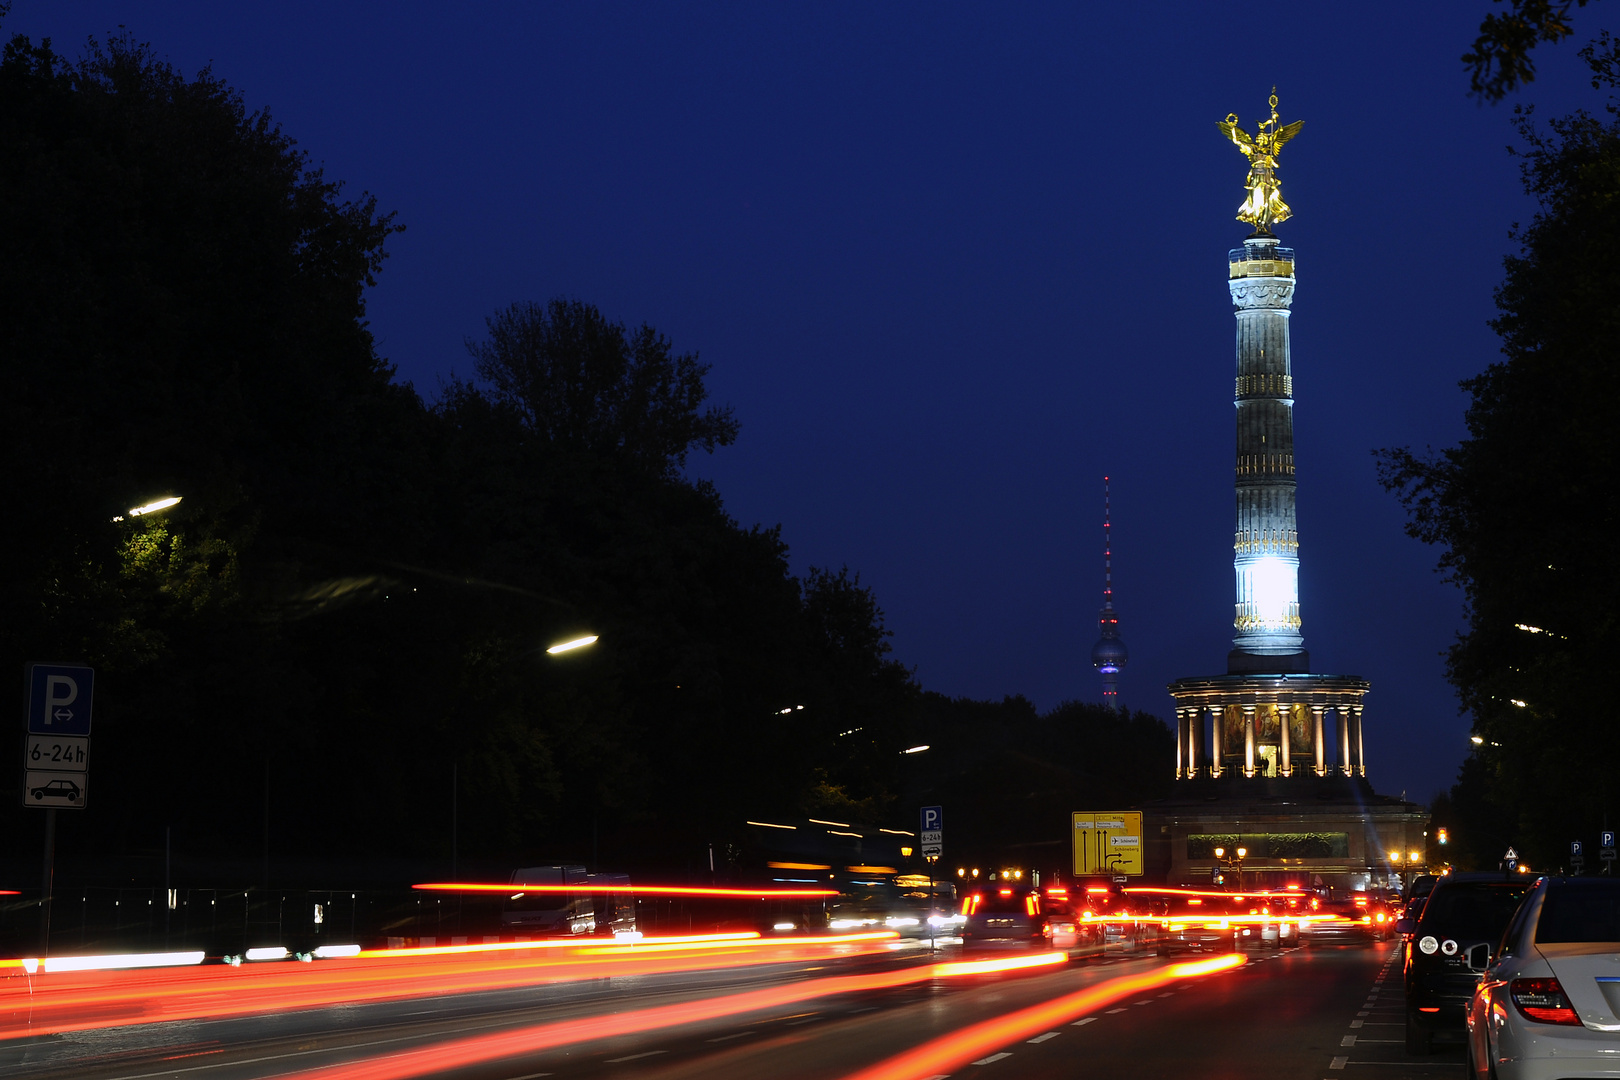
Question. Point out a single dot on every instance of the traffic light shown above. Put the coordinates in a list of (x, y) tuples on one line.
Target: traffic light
[(1442, 836)]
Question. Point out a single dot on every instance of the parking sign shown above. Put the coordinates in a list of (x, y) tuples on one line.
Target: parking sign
[(59, 697), (933, 832)]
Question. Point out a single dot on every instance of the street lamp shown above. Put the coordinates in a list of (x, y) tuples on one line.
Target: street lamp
[(149, 508), (569, 646), (1233, 862)]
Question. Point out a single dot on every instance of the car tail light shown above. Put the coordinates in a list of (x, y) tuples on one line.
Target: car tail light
[(1222, 925), (1543, 1001)]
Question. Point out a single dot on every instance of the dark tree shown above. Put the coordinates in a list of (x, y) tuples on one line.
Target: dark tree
[(584, 383), (1500, 61), (1525, 509)]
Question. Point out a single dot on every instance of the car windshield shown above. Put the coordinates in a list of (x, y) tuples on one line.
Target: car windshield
[(1580, 911), (1473, 909)]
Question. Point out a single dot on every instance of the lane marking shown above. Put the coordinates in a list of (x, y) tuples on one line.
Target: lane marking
[(1043, 1038), (1149, 1001), (1111, 1012), (992, 1058), (529, 1076), (1363, 1012), (733, 1035), (1356, 1023), (1339, 1063), (635, 1057), (1170, 993), (1348, 1040), (806, 1020), (1083, 1021)]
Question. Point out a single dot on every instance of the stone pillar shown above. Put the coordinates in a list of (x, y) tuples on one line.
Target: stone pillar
[(1344, 738), (1287, 766), (1181, 742), (1215, 748), (1248, 740), (1361, 752), (1319, 737), (1195, 740)]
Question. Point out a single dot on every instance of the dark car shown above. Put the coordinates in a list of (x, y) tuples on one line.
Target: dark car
[(1417, 892), (1003, 915), (1463, 911), (58, 789), (1198, 924)]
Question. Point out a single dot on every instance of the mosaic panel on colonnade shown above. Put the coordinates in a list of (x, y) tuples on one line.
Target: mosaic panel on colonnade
[(1268, 721)]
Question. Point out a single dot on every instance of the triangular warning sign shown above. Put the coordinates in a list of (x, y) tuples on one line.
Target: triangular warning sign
[(1511, 856)]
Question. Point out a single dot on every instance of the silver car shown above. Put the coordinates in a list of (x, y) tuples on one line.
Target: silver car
[(1548, 1005)]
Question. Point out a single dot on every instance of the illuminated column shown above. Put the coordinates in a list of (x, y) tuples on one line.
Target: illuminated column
[(1266, 541), (1287, 767), (1344, 739), (1215, 759), (1319, 738), (1248, 740), (1195, 738), (1361, 752), (1181, 742)]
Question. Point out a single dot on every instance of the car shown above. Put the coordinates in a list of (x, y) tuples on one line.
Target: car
[(1003, 915), (57, 789), (1417, 892), (1464, 913), (1280, 914), (1341, 922), (1548, 1004), (1198, 924)]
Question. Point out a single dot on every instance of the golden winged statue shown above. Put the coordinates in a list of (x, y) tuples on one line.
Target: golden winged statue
[(1264, 206)]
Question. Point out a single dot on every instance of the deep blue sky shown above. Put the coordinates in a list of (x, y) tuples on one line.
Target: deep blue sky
[(951, 264)]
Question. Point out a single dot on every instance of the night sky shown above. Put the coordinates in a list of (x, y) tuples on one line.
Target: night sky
[(952, 264)]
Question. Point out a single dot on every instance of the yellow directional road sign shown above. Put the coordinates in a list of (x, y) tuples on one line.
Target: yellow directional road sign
[(1108, 842)]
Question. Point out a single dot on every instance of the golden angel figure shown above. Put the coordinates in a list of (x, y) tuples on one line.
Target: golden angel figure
[(1264, 206)]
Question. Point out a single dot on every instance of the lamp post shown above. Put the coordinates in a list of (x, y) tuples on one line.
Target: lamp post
[(1233, 862)]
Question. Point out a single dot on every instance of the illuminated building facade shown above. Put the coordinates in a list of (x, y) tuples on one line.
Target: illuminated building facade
[(1109, 654)]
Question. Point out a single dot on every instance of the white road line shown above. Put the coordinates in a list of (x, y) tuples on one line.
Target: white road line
[(529, 1076), (1043, 1038), (1083, 1021), (635, 1057), (1355, 1023), (1338, 1063), (1111, 1012), (1168, 993), (733, 1035), (806, 1020), (992, 1057), (1348, 1040), (1149, 1001)]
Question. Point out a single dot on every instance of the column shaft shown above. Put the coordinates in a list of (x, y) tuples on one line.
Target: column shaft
[(1181, 741), (1319, 738), (1215, 748), (1344, 739), (1248, 740), (1361, 750), (1287, 768)]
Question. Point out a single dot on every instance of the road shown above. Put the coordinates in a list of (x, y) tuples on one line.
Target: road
[(1307, 1013)]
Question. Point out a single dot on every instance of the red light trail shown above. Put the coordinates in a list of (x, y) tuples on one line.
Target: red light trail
[(952, 1051), (644, 890)]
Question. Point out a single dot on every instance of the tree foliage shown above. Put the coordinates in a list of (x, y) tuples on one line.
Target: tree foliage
[(1500, 60), (1525, 509), (345, 619)]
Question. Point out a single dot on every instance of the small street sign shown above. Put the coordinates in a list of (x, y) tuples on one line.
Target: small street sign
[(1574, 849), (57, 790), (933, 832), (60, 753), (1511, 858), (1606, 842), (59, 697)]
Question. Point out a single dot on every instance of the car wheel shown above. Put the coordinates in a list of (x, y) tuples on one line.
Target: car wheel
[(1419, 1039)]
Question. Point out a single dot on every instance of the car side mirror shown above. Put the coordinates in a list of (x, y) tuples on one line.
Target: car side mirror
[(1403, 926), (1478, 956)]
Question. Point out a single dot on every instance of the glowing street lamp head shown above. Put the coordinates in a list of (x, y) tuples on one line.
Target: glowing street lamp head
[(570, 646), (149, 508)]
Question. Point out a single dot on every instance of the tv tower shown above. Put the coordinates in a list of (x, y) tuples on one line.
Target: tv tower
[(1109, 654)]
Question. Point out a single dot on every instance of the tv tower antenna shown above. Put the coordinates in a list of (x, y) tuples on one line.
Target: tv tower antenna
[(1109, 654)]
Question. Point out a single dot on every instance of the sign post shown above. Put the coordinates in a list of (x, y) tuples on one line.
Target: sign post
[(1606, 850), (931, 828), (1108, 842), (56, 758), (1576, 862)]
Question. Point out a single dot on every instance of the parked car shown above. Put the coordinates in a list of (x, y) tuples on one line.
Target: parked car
[(1548, 1004), (1464, 917), (570, 902)]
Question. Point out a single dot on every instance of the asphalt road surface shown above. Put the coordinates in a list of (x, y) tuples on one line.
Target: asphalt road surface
[(1308, 1013)]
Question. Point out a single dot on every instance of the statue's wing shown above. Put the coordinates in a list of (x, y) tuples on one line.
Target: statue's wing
[(1230, 129), (1288, 132)]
